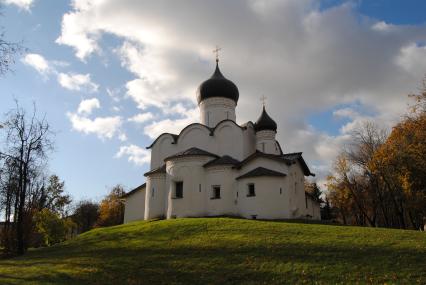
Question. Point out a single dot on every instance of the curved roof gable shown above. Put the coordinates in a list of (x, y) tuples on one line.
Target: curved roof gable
[(211, 130)]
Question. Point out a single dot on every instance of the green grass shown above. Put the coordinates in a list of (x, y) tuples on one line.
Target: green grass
[(226, 251)]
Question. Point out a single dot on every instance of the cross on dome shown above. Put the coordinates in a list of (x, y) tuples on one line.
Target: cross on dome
[(263, 99), (216, 51)]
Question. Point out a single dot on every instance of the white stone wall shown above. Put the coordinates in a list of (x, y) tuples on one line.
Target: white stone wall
[(223, 176), (296, 186), (227, 139), (216, 109), (270, 200), (134, 207), (190, 170), (313, 209), (155, 196), (265, 142)]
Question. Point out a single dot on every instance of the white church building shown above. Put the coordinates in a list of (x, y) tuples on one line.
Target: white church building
[(220, 168)]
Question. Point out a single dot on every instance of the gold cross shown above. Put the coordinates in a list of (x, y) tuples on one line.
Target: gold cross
[(216, 51), (263, 99)]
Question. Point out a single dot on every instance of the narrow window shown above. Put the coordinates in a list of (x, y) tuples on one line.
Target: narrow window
[(263, 147), (281, 191), (208, 118), (215, 192), (199, 188), (178, 189), (227, 115), (152, 192), (306, 201), (250, 190), (295, 187), (237, 194)]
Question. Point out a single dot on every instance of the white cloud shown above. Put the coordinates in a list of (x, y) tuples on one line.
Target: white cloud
[(412, 58), (22, 4), (77, 82), (88, 105), (156, 128), (103, 127), (114, 94), (345, 113), (122, 137), (135, 154), (305, 59), (141, 118), (38, 62)]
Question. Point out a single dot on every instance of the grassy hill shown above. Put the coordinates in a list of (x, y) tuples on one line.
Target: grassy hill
[(224, 250)]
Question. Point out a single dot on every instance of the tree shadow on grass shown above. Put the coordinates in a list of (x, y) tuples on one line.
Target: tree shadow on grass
[(223, 262)]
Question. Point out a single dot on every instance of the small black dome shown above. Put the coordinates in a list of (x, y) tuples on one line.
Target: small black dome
[(265, 122), (217, 86)]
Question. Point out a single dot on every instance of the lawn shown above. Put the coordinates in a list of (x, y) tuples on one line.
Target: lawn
[(226, 251)]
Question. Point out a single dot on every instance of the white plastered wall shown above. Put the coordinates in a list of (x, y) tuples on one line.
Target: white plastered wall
[(313, 210), (134, 207), (216, 109), (155, 196), (265, 142), (270, 200), (191, 172), (227, 139), (224, 176)]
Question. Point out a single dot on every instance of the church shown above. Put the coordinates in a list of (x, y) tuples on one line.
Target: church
[(220, 168)]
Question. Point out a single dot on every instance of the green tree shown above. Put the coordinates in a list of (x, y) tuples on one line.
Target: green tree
[(53, 196), (52, 227), (85, 215)]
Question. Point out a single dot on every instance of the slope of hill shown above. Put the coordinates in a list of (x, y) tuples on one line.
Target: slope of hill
[(226, 251)]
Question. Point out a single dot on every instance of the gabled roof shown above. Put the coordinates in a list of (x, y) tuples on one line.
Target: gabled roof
[(193, 151), (288, 158), (224, 160), (298, 156), (258, 153), (161, 169), (261, 171), (140, 187)]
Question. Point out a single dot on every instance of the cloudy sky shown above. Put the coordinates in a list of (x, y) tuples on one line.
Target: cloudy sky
[(112, 75)]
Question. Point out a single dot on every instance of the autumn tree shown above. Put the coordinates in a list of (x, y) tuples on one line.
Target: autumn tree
[(381, 179), (111, 208)]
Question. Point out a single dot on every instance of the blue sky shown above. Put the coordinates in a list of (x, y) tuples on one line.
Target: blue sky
[(111, 75)]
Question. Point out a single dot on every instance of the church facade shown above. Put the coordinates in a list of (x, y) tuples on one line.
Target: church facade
[(217, 167)]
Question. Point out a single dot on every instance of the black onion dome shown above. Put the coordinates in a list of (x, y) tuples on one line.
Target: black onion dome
[(217, 86), (265, 122)]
